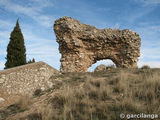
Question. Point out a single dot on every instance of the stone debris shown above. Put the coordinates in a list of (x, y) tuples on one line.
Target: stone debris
[(82, 45), (100, 68), (2, 100)]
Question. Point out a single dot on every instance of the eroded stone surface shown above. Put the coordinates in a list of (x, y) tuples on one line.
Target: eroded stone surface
[(82, 45)]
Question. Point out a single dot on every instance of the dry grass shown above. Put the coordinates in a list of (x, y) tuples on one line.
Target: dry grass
[(20, 105), (104, 98), (103, 95), (24, 101)]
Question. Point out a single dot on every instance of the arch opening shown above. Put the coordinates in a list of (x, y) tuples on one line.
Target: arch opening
[(106, 62)]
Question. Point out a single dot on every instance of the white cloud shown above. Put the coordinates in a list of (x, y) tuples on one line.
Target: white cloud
[(18, 8), (137, 14), (150, 53), (5, 24), (150, 50), (1, 65), (44, 20), (152, 64), (5, 30), (149, 28), (3, 36), (33, 10), (116, 26), (4, 39), (149, 34), (42, 49), (149, 2), (46, 50), (42, 3)]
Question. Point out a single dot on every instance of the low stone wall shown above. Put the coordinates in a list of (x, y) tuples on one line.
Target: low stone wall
[(25, 80)]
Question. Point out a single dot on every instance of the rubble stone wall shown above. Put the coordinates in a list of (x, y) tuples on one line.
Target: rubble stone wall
[(82, 45), (25, 79)]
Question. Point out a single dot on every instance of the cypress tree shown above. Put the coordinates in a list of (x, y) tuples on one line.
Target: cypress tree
[(16, 51), (33, 60)]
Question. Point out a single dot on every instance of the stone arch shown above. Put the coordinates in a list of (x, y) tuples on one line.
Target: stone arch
[(82, 45), (106, 62)]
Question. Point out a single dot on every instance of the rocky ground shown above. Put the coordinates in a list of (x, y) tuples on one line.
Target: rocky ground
[(101, 95)]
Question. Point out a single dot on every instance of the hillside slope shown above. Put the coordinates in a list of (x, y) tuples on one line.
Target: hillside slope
[(91, 96), (24, 79)]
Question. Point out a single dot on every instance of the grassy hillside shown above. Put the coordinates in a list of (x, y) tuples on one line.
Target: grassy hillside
[(91, 96)]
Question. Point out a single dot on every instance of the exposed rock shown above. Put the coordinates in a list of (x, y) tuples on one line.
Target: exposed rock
[(1, 80), (82, 45), (2, 100), (100, 68)]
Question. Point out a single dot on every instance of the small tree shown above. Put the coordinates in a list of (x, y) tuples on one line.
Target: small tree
[(31, 61), (16, 51)]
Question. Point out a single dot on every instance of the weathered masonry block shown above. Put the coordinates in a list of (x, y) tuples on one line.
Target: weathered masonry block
[(82, 45)]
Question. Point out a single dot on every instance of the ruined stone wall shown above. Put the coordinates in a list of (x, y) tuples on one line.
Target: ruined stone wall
[(82, 45), (25, 79)]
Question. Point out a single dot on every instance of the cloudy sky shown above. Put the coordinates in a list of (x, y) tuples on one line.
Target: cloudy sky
[(37, 18)]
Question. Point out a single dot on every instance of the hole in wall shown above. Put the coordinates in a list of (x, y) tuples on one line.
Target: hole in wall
[(105, 62)]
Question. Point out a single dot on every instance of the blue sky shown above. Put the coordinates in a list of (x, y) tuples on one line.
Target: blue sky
[(37, 18)]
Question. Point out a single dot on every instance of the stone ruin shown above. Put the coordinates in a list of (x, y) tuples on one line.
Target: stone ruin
[(24, 80), (82, 45)]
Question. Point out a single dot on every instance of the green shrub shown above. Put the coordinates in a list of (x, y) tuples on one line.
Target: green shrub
[(37, 92), (145, 67)]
